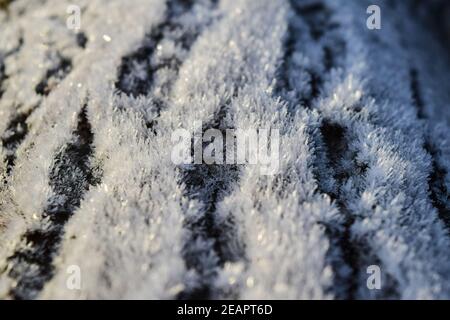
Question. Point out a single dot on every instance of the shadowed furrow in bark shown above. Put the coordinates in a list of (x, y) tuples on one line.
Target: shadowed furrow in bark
[(13, 137), (70, 177), (161, 53), (54, 75), (439, 195), (208, 184)]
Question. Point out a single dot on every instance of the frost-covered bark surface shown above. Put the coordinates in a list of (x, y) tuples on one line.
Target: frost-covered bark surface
[(85, 133)]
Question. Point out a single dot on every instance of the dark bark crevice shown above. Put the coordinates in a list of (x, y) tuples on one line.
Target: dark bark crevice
[(318, 19), (13, 136), (145, 59), (317, 15), (439, 194), (349, 255), (81, 39), (208, 184), (145, 71), (347, 270), (2, 76), (331, 144), (54, 75), (70, 177), (416, 95), (18, 126)]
